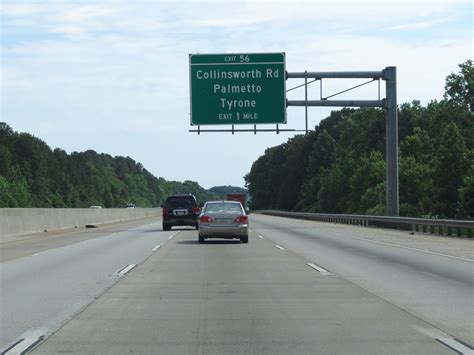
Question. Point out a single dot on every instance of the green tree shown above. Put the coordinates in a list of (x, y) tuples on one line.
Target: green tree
[(322, 154), (460, 87), (369, 172), (466, 192), (451, 167)]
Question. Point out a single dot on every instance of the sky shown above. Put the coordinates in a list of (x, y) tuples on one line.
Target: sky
[(113, 76)]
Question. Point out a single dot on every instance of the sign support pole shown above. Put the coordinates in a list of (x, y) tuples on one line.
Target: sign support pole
[(306, 100), (389, 104), (391, 143)]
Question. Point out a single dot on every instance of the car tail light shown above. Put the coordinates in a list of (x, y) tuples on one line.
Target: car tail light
[(206, 219), (196, 210), (241, 219), (165, 212)]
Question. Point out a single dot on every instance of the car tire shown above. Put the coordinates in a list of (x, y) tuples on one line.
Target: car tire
[(244, 239), (196, 226), (201, 238), (166, 227)]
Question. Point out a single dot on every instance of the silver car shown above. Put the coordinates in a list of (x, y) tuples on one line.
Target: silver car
[(223, 219)]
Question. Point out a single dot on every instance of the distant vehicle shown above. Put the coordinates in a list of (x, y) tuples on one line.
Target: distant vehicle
[(223, 219), (95, 207), (237, 197), (180, 210), (242, 198), (131, 205)]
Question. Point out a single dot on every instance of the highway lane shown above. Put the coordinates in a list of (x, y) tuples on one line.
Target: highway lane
[(15, 247), (224, 297), (431, 277), (41, 291)]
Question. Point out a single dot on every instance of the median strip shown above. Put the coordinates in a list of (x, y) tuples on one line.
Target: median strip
[(319, 268)]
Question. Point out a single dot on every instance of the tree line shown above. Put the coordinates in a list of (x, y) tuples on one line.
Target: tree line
[(33, 175), (340, 166)]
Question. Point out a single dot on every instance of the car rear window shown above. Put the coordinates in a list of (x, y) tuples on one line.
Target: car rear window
[(180, 202), (224, 208)]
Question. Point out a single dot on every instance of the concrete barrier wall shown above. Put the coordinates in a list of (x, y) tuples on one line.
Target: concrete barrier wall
[(18, 221)]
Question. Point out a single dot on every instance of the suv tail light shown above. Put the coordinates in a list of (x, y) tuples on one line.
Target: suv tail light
[(241, 219), (196, 210), (165, 212), (206, 219)]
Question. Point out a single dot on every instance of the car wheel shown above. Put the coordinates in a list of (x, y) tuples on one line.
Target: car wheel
[(201, 238), (196, 226), (166, 227), (245, 239)]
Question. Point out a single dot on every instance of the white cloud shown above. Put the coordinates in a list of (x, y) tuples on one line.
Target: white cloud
[(419, 25), (22, 10)]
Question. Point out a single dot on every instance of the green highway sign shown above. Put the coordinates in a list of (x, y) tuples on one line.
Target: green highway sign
[(237, 88)]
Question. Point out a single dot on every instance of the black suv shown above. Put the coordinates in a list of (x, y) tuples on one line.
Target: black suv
[(180, 210)]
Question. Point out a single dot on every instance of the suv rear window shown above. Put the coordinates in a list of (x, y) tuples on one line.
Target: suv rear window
[(175, 202)]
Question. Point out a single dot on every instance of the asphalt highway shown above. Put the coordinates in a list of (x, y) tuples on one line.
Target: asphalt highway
[(432, 277), (296, 288)]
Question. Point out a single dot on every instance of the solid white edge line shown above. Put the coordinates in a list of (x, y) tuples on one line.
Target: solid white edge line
[(156, 248), (43, 252), (455, 345), (125, 270), (400, 246), (396, 246), (23, 345), (279, 247), (319, 268), (260, 236)]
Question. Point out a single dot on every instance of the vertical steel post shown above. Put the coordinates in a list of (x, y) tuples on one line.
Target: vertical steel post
[(306, 100), (391, 143)]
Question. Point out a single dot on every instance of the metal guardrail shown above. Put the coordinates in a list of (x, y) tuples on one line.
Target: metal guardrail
[(424, 225)]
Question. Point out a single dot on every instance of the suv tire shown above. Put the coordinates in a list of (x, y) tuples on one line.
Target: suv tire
[(244, 239), (166, 227), (201, 238)]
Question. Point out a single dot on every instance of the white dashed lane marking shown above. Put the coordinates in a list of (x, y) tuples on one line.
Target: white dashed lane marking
[(319, 268), (125, 269), (23, 346)]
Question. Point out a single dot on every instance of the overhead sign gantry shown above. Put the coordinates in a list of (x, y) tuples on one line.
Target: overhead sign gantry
[(232, 89)]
